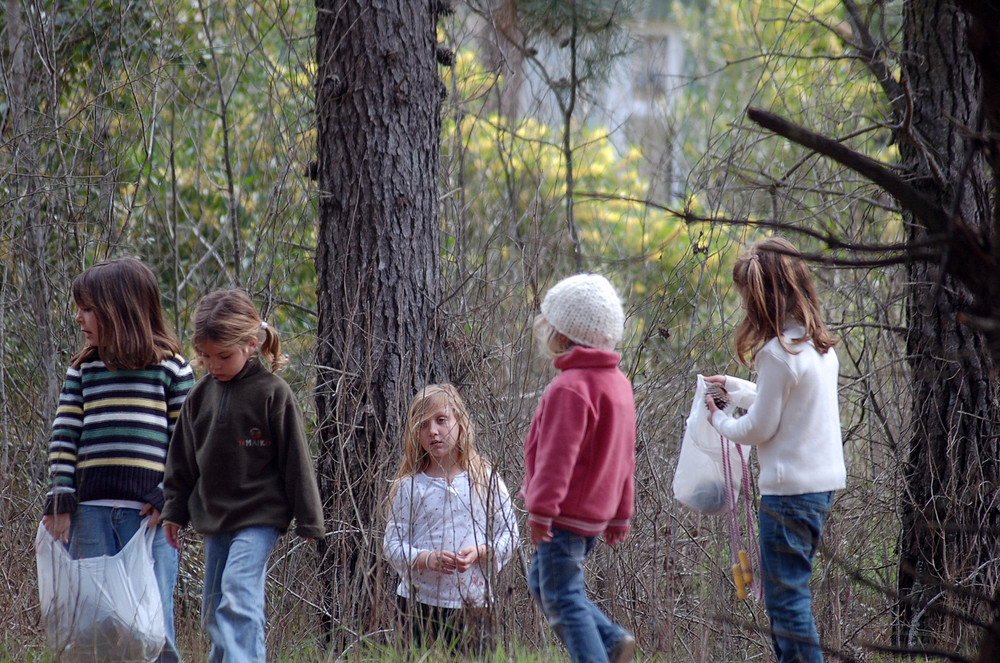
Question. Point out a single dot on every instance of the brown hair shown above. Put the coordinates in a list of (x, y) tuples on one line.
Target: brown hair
[(125, 298), (229, 318), (775, 284)]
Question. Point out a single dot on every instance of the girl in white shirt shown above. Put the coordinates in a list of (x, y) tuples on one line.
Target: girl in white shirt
[(450, 525), (794, 421)]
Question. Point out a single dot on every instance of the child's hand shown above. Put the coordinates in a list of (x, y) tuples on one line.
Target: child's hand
[(715, 394), (614, 536), (152, 512), (170, 530), (58, 526), (710, 404), (442, 561), (469, 555), (540, 534)]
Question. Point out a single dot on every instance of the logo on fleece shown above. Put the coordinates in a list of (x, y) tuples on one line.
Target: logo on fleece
[(254, 439)]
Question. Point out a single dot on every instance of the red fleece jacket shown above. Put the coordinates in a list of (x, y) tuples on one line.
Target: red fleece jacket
[(579, 456)]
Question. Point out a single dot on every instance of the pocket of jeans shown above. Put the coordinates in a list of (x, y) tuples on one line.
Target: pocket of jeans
[(798, 523)]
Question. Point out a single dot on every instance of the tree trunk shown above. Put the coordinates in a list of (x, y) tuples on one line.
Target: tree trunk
[(949, 544), (378, 97)]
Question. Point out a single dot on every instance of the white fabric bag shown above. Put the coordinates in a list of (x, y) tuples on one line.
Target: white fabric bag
[(700, 480), (101, 609)]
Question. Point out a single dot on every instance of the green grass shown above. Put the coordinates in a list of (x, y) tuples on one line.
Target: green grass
[(390, 654)]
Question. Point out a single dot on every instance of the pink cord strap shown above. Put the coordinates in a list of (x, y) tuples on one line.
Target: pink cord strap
[(753, 546)]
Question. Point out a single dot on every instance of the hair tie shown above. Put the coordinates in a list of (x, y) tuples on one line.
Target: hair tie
[(263, 324), (755, 257)]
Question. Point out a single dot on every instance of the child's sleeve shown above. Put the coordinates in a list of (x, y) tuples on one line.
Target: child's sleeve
[(181, 381), (301, 489), (180, 385), (397, 542), (626, 506), (63, 446), (505, 530), (763, 416), (557, 434), (182, 471)]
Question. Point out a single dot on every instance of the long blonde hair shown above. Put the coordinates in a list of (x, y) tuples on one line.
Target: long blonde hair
[(776, 286), (429, 400), (229, 318)]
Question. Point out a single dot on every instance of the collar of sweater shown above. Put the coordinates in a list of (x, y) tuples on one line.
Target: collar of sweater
[(253, 366), (794, 332), (583, 357)]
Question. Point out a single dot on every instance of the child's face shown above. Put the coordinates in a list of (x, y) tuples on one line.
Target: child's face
[(87, 319), (439, 435), (224, 362)]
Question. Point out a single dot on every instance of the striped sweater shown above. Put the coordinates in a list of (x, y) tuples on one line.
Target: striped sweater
[(111, 431)]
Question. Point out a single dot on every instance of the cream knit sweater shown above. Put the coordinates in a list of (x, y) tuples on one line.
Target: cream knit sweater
[(792, 417)]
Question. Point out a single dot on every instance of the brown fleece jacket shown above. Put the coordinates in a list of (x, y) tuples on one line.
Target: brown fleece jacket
[(239, 458)]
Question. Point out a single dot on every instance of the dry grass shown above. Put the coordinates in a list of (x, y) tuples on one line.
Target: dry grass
[(668, 582)]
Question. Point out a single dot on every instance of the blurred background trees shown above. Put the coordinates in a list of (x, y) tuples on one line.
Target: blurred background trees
[(294, 150)]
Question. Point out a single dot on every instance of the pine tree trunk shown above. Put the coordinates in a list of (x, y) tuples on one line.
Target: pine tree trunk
[(949, 544), (378, 97)]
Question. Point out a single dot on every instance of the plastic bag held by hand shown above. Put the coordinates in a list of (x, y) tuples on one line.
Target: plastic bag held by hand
[(102, 609), (699, 481)]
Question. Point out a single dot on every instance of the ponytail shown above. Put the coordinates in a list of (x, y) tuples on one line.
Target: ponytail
[(270, 347)]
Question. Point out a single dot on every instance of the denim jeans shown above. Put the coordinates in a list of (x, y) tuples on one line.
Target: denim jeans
[(104, 530), (233, 604), (790, 530), (556, 582)]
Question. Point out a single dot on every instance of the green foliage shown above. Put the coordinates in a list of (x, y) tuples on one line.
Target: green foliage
[(509, 175), (205, 121), (790, 58), (202, 115)]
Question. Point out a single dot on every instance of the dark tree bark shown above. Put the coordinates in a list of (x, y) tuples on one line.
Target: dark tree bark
[(950, 516), (378, 96)]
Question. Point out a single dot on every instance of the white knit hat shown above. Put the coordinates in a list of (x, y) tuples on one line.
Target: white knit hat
[(586, 308)]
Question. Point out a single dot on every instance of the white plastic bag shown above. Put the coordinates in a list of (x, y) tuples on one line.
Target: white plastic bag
[(100, 609), (700, 480)]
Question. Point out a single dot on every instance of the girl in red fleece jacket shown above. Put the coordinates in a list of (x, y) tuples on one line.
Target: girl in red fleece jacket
[(579, 462)]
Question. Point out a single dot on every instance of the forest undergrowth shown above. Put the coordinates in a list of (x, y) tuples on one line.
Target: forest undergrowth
[(669, 582)]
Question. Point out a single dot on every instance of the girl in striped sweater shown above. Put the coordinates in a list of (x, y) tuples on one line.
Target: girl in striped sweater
[(122, 394)]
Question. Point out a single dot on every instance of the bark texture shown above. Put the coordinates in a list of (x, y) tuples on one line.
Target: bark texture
[(950, 509), (378, 96)]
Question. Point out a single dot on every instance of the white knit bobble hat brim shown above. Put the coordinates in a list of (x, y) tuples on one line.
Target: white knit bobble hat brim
[(586, 309)]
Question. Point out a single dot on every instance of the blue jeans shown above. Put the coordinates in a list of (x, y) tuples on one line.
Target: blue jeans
[(233, 604), (556, 582), (104, 530), (790, 530)]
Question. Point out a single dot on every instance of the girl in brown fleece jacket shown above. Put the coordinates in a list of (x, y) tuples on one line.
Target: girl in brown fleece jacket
[(238, 469)]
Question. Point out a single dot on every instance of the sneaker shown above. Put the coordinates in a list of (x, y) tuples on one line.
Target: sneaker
[(624, 650)]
